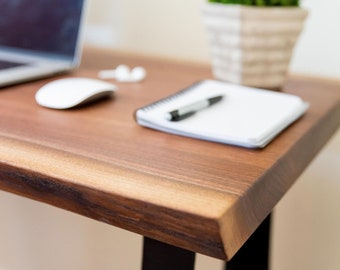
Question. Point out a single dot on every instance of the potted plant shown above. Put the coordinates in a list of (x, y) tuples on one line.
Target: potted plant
[(252, 40)]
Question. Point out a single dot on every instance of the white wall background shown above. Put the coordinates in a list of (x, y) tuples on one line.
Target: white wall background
[(306, 234)]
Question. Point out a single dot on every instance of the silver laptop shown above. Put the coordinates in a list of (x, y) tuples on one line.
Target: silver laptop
[(39, 38)]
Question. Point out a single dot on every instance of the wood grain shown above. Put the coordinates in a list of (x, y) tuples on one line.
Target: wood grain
[(97, 162)]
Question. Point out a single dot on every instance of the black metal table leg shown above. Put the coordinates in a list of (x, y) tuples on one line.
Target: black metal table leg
[(254, 254), (161, 256)]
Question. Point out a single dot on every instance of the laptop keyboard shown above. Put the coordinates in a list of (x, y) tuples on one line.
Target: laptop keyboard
[(7, 64)]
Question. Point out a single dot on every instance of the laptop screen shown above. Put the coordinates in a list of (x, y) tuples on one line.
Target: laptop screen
[(41, 26)]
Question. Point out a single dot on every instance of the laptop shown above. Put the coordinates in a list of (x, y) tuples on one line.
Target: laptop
[(39, 38)]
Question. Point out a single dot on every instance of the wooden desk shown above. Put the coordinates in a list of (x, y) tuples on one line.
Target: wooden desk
[(199, 196)]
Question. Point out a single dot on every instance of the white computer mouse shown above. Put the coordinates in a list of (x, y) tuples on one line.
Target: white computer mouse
[(71, 92)]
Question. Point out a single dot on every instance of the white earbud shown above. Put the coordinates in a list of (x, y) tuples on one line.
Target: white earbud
[(121, 70), (122, 73), (137, 74)]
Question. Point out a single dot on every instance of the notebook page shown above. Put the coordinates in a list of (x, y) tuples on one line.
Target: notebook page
[(245, 116)]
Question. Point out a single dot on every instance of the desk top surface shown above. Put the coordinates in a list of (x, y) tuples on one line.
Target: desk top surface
[(96, 161)]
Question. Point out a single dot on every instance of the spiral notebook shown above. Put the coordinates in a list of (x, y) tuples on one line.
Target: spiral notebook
[(246, 116)]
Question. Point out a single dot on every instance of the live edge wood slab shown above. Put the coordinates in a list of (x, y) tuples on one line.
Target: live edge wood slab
[(97, 162)]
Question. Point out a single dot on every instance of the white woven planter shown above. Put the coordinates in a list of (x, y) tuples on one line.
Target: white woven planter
[(252, 45)]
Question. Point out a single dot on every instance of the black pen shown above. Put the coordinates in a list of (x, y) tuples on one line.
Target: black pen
[(190, 109)]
